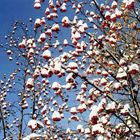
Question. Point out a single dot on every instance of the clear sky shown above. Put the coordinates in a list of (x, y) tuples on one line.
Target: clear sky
[(11, 10)]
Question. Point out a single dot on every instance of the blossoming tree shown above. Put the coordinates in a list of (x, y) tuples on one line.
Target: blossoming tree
[(79, 72)]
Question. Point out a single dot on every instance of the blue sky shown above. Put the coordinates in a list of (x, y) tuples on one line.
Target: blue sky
[(11, 10)]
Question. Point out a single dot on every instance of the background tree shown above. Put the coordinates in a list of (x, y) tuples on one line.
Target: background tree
[(78, 70)]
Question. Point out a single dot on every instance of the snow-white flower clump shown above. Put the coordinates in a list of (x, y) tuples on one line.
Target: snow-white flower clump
[(46, 54), (30, 83), (133, 69), (56, 116)]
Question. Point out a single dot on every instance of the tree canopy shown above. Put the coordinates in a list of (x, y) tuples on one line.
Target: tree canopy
[(76, 74)]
